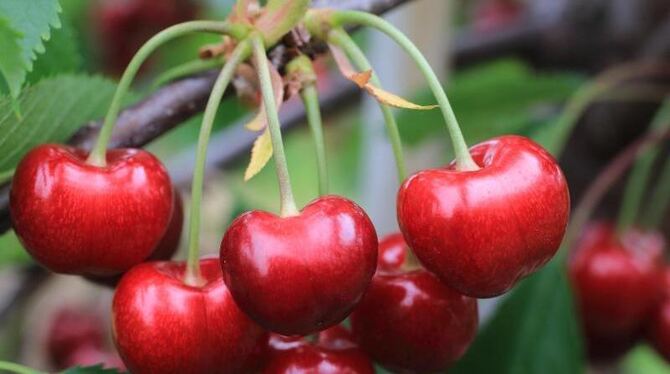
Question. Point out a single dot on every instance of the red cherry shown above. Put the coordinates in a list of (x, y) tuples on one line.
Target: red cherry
[(616, 281), (481, 231), (90, 355), (77, 218), (409, 321), (392, 252), (166, 248), (658, 329), (296, 275), (70, 330), (162, 325), (334, 353), (492, 15)]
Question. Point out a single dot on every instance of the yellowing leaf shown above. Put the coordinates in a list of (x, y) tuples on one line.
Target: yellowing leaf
[(261, 153), (260, 121), (362, 80)]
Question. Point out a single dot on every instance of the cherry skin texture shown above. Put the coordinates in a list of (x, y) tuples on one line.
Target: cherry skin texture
[(617, 280), (658, 329), (410, 322), (162, 325), (166, 248), (300, 274), (481, 231), (334, 353), (76, 218), (70, 330)]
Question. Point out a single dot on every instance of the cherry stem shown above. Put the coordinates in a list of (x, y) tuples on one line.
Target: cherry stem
[(241, 52), (464, 161), (340, 38), (98, 154), (186, 69), (6, 176), (302, 67), (16, 368), (287, 203), (659, 200), (639, 177)]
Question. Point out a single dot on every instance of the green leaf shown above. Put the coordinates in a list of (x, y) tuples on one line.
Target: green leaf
[(61, 55), (32, 20), (534, 331), (644, 359), (492, 99), (97, 369), (52, 110), (11, 251), (12, 66)]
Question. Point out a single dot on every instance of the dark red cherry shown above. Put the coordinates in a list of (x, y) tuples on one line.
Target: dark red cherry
[(481, 231), (408, 321), (77, 218), (392, 252), (617, 281), (334, 353), (300, 274), (658, 327), (70, 330), (162, 325)]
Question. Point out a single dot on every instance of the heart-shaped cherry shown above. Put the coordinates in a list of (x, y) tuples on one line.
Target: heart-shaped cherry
[(166, 248), (481, 231), (162, 325), (617, 282), (70, 330), (409, 321), (658, 328), (76, 218), (300, 274), (335, 352)]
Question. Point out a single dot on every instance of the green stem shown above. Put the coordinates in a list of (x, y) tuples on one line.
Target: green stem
[(6, 176), (640, 175), (310, 99), (98, 154), (186, 69), (287, 203), (16, 368), (340, 38), (240, 53), (659, 200), (463, 159)]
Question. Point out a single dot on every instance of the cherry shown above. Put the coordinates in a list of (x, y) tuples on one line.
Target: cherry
[(616, 280), (481, 231), (392, 252), (76, 218), (162, 325), (335, 352), (409, 321), (90, 355), (70, 330), (300, 274), (166, 248), (658, 328), (491, 15)]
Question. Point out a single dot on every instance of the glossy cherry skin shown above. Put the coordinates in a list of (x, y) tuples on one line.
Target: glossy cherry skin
[(410, 322), (70, 330), (166, 248), (162, 325), (392, 252), (76, 218), (300, 274), (334, 353), (617, 280), (481, 231), (658, 327)]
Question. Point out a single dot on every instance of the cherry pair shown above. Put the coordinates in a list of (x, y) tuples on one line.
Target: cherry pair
[(617, 280)]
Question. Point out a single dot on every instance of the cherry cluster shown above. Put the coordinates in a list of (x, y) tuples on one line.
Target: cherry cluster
[(468, 230), (622, 290)]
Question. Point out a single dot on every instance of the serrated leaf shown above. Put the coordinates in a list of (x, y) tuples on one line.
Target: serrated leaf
[(33, 21), (260, 120), (12, 66), (52, 110), (362, 80), (533, 331), (96, 369), (261, 153), (61, 55)]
